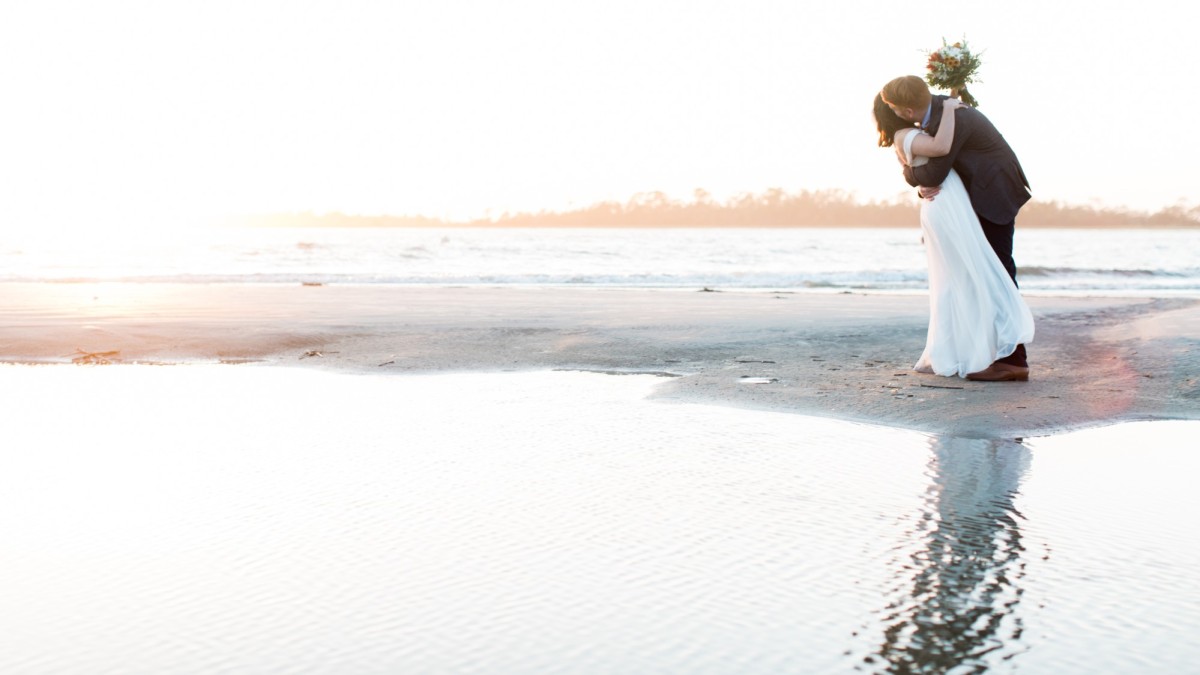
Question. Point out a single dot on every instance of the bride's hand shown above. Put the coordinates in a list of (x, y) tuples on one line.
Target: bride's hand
[(952, 103)]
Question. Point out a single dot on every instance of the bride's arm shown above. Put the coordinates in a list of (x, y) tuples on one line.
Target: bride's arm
[(939, 144)]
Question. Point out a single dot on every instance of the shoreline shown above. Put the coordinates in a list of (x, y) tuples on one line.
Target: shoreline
[(888, 225), (1095, 360)]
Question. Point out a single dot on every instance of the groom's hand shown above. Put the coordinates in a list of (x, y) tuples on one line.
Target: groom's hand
[(929, 192)]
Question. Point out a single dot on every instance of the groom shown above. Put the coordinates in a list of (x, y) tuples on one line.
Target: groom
[(991, 173)]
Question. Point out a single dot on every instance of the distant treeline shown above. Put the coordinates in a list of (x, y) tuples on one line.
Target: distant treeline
[(773, 208)]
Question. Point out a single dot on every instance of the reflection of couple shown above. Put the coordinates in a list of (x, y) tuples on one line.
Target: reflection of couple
[(957, 602), (972, 187)]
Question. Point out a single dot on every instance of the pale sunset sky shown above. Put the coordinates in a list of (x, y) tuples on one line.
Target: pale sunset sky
[(164, 113)]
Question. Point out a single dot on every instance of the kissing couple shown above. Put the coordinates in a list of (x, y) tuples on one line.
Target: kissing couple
[(971, 187)]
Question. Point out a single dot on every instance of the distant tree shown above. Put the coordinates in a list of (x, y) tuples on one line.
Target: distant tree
[(774, 207)]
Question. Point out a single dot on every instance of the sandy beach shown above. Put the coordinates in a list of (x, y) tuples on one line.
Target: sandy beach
[(848, 356), (388, 478)]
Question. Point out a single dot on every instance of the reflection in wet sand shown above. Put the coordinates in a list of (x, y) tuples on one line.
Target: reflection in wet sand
[(958, 585)]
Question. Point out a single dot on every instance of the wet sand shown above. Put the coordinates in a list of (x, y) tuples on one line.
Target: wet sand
[(848, 356)]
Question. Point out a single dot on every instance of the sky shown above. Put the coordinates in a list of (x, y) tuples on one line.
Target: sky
[(122, 114)]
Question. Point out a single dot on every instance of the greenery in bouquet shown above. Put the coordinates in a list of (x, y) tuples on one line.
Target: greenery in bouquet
[(953, 67)]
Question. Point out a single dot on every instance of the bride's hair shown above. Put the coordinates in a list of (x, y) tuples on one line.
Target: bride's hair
[(887, 122)]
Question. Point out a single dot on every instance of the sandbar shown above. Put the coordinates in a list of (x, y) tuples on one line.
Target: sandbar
[(1095, 360)]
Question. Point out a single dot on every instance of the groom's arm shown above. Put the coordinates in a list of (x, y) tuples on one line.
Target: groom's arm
[(934, 172)]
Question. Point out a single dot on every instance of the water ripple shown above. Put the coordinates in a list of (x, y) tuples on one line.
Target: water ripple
[(559, 522)]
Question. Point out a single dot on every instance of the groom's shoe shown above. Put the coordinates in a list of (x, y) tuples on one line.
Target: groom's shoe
[(1001, 372)]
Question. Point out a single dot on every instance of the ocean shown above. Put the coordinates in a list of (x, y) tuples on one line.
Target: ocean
[(1050, 261)]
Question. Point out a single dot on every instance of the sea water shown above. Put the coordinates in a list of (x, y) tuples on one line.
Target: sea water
[(1073, 262), (247, 519)]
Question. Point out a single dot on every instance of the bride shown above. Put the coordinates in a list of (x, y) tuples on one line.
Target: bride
[(976, 314)]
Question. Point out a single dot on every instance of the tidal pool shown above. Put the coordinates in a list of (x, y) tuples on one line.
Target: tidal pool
[(251, 519)]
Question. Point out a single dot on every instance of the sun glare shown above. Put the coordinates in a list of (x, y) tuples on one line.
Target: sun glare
[(138, 116)]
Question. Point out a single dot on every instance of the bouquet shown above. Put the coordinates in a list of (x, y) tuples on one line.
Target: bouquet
[(953, 67)]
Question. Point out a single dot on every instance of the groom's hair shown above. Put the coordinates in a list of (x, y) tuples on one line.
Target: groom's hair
[(909, 91)]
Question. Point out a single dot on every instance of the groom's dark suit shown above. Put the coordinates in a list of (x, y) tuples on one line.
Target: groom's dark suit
[(992, 175), (989, 169)]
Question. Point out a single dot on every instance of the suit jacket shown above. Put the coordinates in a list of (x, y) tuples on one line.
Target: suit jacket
[(988, 167)]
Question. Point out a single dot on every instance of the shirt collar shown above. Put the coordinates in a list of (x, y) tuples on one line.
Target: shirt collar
[(928, 112)]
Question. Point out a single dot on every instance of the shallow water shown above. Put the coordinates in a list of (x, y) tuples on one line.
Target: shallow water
[(1138, 262), (209, 519)]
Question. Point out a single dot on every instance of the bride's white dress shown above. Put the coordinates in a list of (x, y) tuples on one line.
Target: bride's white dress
[(976, 314)]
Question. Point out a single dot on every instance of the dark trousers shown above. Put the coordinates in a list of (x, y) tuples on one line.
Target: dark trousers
[(1000, 236)]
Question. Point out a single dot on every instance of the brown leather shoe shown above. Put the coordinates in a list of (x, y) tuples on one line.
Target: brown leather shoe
[(1001, 372)]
